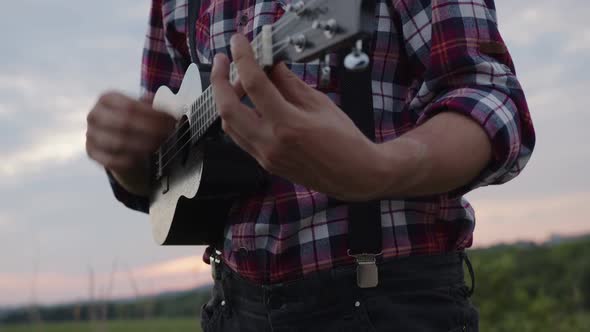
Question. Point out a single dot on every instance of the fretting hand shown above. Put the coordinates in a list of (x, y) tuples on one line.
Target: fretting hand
[(295, 131)]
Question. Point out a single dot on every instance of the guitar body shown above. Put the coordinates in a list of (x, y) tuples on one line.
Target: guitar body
[(176, 210)]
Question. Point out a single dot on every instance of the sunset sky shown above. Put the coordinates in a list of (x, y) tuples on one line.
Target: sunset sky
[(61, 231)]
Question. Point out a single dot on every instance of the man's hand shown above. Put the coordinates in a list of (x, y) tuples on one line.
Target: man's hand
[(295, 131), (121, 135)]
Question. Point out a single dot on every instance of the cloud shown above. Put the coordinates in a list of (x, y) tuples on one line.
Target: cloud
[(50, 128), (56, 148), (579, 43), (534, 219)]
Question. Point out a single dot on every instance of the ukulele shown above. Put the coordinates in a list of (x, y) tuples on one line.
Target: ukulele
[(195, 178)]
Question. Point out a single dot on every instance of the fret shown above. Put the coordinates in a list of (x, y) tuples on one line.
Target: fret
[(203, 113)]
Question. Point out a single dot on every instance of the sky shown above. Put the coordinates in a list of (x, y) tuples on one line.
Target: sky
[(63, 237)]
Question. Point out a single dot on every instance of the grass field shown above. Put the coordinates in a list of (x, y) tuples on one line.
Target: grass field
[(163, 325)]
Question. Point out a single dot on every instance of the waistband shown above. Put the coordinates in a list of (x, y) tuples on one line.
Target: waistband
[(395, 275)]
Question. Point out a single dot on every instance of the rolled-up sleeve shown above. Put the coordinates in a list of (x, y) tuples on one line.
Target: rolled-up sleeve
[(467, 69)]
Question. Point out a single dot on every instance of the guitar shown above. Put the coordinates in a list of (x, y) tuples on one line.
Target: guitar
[(193, 183)]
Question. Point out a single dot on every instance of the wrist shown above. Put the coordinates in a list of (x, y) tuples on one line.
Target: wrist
[(134, 181)]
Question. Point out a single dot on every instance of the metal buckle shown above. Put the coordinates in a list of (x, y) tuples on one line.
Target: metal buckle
[(215, 260), (367, 272)]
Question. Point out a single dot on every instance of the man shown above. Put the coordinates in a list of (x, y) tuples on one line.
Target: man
[(450, 116)]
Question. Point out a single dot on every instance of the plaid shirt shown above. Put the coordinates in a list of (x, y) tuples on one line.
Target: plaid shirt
[(429, 57)]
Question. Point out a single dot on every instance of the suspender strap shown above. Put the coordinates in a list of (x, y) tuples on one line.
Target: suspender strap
[(364, 218)]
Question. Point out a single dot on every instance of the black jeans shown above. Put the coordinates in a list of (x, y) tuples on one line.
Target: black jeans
[(425, 293)]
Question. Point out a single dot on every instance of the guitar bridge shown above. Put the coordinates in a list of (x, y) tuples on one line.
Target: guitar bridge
[(165, 184)]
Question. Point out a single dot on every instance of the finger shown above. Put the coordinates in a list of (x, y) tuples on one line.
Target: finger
[(241, 141), (257, 85), (119, 112), (117, 163), (290, 85), (117, 100), (230, 109), (238, 88), (117, 143), (225, 95), (128, 123)]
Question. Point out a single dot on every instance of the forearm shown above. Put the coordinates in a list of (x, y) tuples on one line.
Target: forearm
[(446, 152)]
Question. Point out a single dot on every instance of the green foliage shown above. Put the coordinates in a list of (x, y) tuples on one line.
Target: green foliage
[(168, 325), (524, 288), (533, 288)]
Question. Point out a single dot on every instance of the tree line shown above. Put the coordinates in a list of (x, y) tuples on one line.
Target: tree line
[(522, 287)]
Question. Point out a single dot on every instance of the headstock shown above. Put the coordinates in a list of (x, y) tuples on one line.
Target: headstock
[(310, 28)]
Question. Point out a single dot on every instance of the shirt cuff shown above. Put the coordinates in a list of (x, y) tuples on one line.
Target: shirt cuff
[(497, 114), (130, 200)]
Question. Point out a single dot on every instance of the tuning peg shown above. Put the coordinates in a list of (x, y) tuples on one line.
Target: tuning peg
[(357, 60), (297, 7), (325, 71), (299, 42), (330, 27)]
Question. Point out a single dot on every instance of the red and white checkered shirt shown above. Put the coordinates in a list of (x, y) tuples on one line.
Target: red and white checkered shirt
[(429, 56)]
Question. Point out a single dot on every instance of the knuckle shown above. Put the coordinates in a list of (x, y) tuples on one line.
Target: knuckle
[(285, 134), (126, 119), (225, 111), (253, 84), (89, 149), (91, 117), (108, 97), (117, 145), (224, 126), (110, 163), (215, 77), (272, 156)]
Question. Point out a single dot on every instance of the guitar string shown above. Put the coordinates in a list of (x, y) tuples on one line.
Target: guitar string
[(255, 42), (201, 99), (205, 112), (189, 139)]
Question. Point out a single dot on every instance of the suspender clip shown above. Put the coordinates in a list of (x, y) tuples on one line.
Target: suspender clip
[(367, 272), (215, 261)]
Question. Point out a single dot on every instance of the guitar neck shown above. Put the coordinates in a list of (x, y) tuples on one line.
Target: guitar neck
[(202, 113)]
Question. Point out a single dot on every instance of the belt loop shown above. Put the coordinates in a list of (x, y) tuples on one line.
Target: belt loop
[(464, 257)]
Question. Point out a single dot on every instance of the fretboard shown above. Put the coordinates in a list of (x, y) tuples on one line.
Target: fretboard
[(201, 115)]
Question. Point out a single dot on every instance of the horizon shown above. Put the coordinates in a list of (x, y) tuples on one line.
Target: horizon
[(61, 227), (191, 264)]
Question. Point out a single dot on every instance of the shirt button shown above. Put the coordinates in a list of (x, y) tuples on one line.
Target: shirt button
[(243, 252), (244, 20)]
